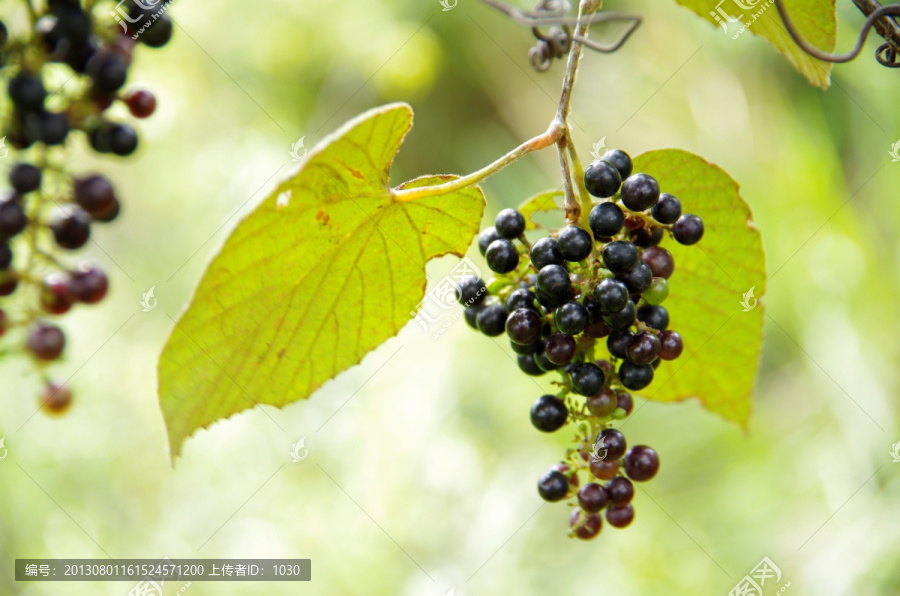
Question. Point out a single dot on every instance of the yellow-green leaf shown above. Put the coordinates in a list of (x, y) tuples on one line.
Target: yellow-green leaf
[(815, 20), (327, 268), (542, 203), (722, 341)]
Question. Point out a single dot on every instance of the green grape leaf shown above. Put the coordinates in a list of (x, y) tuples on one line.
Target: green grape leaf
[(542, 203), (722, 342), (815, 20), (323, 271)]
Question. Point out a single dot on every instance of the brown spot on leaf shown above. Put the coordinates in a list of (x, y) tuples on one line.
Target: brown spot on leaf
[(281, 352), (322, 217)]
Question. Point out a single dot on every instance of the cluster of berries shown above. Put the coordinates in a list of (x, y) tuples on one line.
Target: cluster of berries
[(46, 209), (556, 299)]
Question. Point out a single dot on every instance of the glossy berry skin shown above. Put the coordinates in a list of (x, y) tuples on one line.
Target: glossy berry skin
[(502, 256), (560, 348), (123, 140), (620, 517), (670, 345), (25, 177), (611, 442), (87, 285), (46, 341), (660, 261), (509, 224), (602, 179), (654, 316), (94, 194), (585, 525), (619, 491), (624, 401), (611, 295), (587, 378), (617, 342), (12, 218), (622, 319), (491, 320), (549, 413), (643, 348), (638, 279), (72, 230), (606, 220), (620, 256), (640, 192), (592, 497), (621, 160), (544, 363), (56, 398), (141, 103), (634, 376), (470, 291), (688, 229), (553, 486), (27, 92), (571, 318), (528, 366), (575, 243), (546, 252), (524, 326), (521, 298), (604, 403), (641, 463), (667, 209), (471, 315), (604, 469), (485, 238), (6, 255), (554, 283)]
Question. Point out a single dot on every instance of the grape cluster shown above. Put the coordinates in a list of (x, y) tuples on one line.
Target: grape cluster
[(562, 300), (47, 210)]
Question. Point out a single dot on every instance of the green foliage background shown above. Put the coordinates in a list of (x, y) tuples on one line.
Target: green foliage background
[(422, 462)]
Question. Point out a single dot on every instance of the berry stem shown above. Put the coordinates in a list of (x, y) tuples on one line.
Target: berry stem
[(541, 141)]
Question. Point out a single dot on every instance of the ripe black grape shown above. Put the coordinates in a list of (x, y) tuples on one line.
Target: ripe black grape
[(643, 348), (46, 341), (509, 224), (528, 366), (640, 192), (523, 326), (554, 283), (635, 376), (549, 413), (521, 298), (491, 320), (560, 348), (585, 525), (667, 209), (622, 319), (602, 179), (641, 463), (592, 497), (619, 491), (638, 278), (670, 345), (660, 261), (610, 444), (25, 177), (575, 243), (688, 229), (553, 486), (571, 318), (620, 517), (620, 256), (587, 379), (617, 342), (487, 236), (546, 252), (621, 160), (604, 403), (611, 295), (654, 316), (606, 220), (502, 256)]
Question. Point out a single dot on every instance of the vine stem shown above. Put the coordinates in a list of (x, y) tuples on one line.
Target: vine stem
[(541, 141), (559, 134)]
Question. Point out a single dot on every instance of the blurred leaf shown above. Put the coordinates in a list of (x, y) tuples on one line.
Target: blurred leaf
[(815, 20), (542, 203), (327, 268), (722, 342)]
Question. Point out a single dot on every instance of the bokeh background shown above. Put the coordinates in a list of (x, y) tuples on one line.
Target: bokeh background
[(422, 462)]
